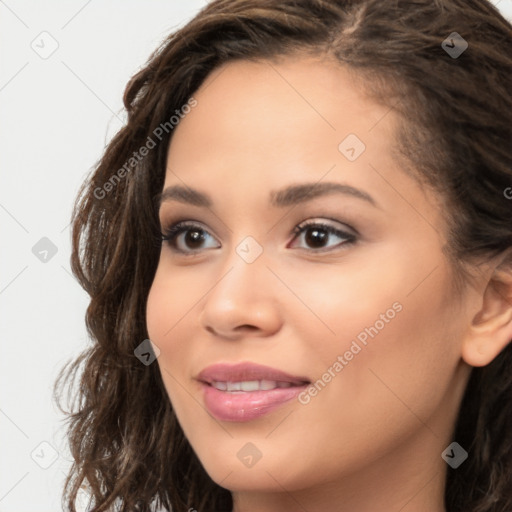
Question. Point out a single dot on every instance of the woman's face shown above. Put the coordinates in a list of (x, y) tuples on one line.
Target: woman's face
[(308, 250)]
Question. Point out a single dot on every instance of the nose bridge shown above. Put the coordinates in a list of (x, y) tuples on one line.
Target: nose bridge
[(244, 272), (243, 295)]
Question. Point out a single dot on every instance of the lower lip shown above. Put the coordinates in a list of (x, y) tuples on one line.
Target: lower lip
[(246, 405)]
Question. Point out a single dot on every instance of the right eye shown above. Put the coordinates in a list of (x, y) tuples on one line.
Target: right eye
[(187, 238)]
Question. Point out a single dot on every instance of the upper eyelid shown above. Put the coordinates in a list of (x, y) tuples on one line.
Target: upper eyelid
[(315, 222), (311, 221), (183, 225)]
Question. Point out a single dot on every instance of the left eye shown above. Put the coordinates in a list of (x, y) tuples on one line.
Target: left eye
[(317, 235), (186, 237)]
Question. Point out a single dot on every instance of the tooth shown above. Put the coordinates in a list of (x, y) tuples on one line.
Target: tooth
[(222, 386), (267, 384), (249, 385), (234, 386)]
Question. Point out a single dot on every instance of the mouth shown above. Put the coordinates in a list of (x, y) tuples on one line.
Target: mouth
[(246, 391), (248, 386), (248, 374)]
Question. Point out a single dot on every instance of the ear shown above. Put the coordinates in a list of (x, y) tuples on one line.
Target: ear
[(491, 328)]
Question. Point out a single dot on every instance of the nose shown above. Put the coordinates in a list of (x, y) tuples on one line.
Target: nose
[(244, 301)]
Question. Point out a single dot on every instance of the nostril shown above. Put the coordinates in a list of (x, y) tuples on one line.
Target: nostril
[(246, 327)]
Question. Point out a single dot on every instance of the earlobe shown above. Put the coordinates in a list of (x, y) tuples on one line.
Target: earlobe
[(490, 330)]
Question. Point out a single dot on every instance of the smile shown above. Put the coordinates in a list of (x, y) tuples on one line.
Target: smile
[(246, 391), (250, 385)]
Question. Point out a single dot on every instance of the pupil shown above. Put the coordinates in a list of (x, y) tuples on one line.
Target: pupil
[(194, 238), (316, 237)]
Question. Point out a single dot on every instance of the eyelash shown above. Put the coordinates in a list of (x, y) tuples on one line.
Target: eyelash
[(171, 233)]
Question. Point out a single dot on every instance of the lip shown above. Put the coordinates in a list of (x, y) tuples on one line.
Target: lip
[(246, 405), (246, 371)]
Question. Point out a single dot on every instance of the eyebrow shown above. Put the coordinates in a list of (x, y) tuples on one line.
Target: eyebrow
[(289, 196)]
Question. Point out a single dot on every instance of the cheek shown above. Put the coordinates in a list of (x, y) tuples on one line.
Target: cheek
[(170, 302), (159, 309), (166, 311), (380, 343), (399, 348)]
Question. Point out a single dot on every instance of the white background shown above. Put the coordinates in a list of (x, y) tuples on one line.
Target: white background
[(56, 116)]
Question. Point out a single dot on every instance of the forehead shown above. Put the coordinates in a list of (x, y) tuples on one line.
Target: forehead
[(280, 113)]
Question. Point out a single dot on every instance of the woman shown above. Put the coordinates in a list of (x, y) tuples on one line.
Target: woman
[(308, 214)]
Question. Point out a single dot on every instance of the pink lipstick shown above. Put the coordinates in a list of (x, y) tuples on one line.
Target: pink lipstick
[(246, 391)]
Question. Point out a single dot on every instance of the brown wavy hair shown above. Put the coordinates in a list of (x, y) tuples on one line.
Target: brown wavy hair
[(455, 135)]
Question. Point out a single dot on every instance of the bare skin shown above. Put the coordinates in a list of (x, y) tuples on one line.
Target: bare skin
[(371, 439)]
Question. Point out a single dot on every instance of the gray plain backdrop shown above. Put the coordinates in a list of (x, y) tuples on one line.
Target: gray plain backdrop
[(63, 69)]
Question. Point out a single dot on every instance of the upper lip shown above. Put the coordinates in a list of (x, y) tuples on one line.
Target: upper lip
[(246, 371)]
